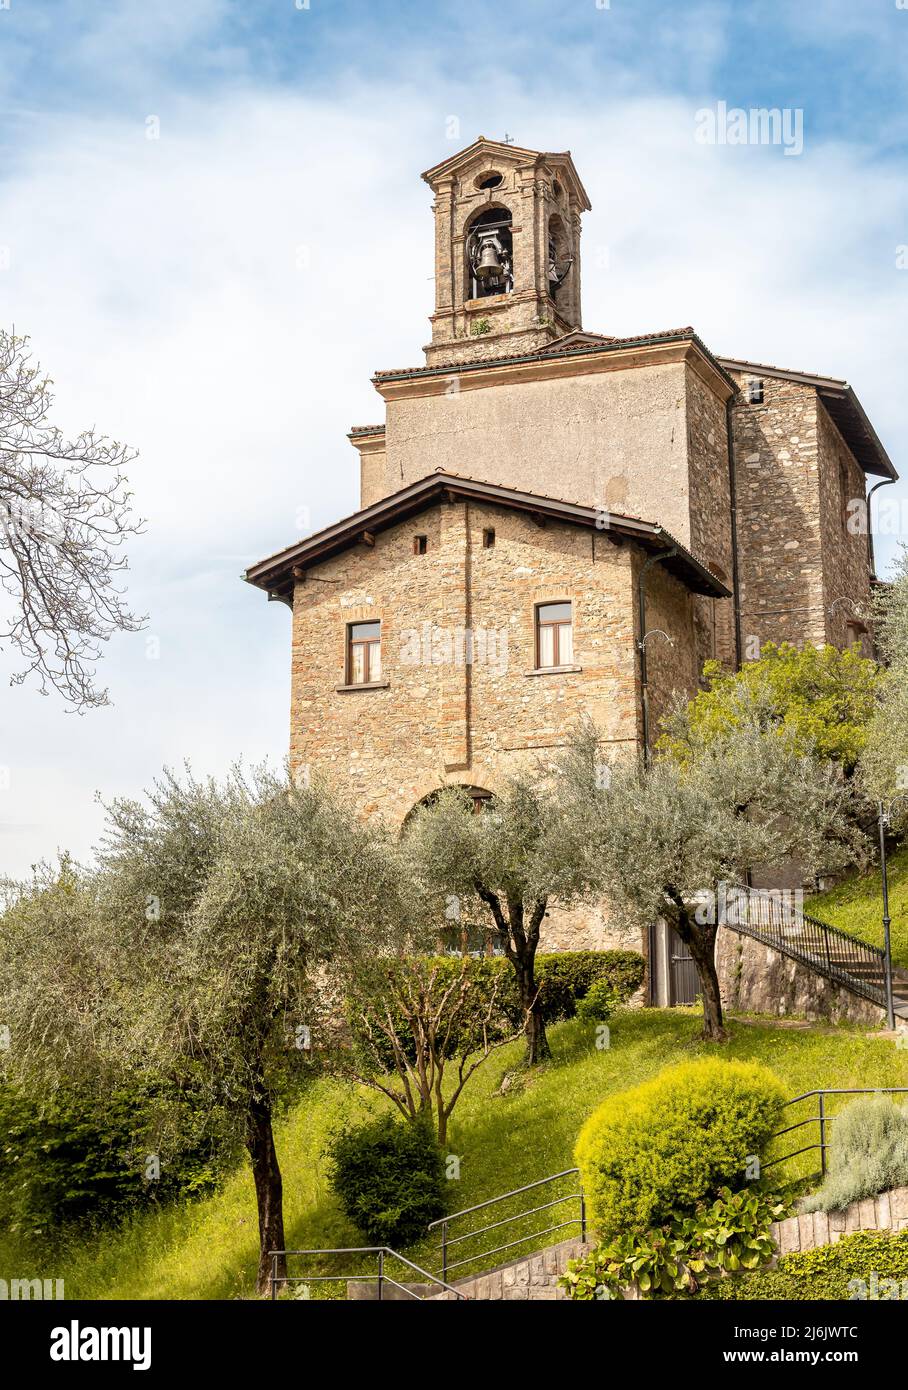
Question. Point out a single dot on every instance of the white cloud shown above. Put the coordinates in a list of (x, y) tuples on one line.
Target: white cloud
[(221, 296)]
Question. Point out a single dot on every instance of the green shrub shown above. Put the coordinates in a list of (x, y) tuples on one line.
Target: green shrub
[(868, 1153), (671, 1142), (78, 1157), (567, 977), (857, 1267), (389, 1176), (599, 1003), (727, 1235)]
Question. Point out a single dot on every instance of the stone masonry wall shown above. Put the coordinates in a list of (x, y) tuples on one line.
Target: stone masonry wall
[(534, 1279), (435, 719), (887, 1212), (795, 478), (710, 515), (754, 978), (779, 533), (846, 564)]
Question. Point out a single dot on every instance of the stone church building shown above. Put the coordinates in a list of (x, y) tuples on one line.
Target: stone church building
[(556, 523)]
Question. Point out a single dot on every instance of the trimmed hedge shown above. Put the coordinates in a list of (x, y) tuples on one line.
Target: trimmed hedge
[(662, 1147), (389, 1175), (827, 1272)]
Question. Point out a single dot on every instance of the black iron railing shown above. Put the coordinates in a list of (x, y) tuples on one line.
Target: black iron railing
[(823, 1118), (775, 920), (382, 1257), (459, 1245)]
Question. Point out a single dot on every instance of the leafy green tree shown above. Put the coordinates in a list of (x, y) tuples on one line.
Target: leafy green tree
[(821, 697), (216, 916), (658, 838), (884, 763)]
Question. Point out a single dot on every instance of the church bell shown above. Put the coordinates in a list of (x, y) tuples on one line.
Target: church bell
[(488, 266)]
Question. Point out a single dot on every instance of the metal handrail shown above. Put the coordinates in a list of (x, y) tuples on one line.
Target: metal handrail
[(825, 949), (444, 1222), (382, 1251)]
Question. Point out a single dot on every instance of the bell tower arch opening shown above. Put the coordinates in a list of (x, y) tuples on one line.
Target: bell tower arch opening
[(507, 251), (489, 248)]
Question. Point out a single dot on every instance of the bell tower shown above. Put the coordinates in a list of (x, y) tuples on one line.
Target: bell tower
[(507, 251)]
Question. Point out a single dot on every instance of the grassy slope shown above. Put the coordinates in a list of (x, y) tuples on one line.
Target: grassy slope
[(856, 906), (208, 1250)]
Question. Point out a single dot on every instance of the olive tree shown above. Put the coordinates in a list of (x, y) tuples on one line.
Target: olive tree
[(492, 868), (216, 915), (658, 838)]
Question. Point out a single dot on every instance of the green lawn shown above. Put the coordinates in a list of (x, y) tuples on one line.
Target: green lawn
[(856, 906), (207, 1250)]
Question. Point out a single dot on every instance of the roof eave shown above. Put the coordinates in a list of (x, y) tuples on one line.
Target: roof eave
[(275, 573)]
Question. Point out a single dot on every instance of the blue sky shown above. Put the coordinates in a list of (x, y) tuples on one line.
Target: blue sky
[(220, 296)]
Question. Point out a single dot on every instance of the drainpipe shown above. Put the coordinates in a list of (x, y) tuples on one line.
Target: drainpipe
[(884, 482), (733, 502), (871, 560), (641, 644)]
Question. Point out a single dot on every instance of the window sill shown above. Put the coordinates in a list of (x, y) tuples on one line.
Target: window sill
[(553, 670), (362, 685)]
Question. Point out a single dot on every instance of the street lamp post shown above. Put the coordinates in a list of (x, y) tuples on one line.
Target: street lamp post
[(884, 818)]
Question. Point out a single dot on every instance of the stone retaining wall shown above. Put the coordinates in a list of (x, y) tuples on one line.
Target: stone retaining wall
[(888, 1212), (754, 978), (527, 1280)]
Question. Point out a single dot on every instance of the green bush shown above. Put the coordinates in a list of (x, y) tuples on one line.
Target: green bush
[(868, 1153), (658, 1149), (720, 1238), (389, 1176), (599, 1003), (857, 1267), (80, 1158)]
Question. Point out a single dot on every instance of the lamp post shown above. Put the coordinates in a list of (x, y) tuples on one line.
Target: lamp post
[(885, 817)]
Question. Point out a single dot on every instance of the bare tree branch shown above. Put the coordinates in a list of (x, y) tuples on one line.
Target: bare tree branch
[(64, 516)]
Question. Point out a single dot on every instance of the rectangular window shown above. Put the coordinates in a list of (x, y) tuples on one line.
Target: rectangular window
[(420, 545), (488, 538), (363, 653), (554, 635)]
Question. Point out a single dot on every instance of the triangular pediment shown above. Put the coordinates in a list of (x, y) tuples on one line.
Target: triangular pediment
[(501, 152)]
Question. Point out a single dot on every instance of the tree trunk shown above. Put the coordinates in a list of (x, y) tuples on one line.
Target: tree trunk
[(537, 1049), (269, 1192), (701, 942)]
